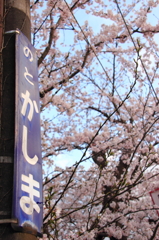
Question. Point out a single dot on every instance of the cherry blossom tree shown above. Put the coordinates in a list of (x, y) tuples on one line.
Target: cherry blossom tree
[(99, 98)]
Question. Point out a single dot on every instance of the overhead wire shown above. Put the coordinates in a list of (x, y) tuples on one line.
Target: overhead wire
[(136, 49), (87, 41), (139, 57), (89, 44)]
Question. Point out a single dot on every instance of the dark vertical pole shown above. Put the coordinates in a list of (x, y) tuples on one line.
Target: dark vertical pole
[(1, 41), (16, 15), (1, 23)]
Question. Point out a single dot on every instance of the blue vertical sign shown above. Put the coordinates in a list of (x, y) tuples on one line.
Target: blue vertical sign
[(27, 191)]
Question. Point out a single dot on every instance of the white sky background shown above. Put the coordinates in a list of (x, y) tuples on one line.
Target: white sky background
[(69, 158)]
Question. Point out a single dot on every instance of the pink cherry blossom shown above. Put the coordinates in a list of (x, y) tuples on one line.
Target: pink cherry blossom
[(98, 77)]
